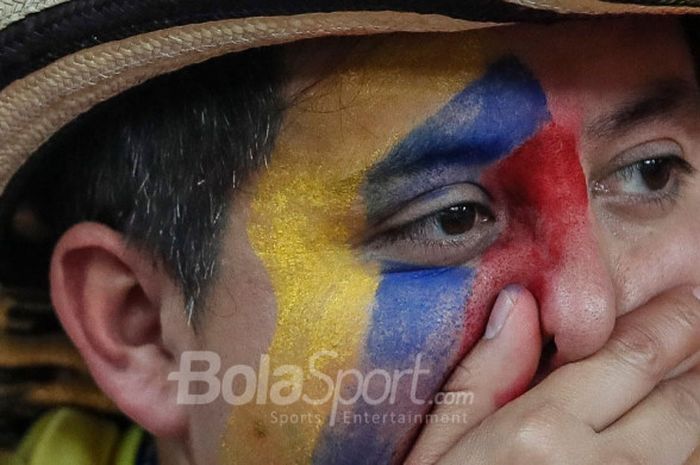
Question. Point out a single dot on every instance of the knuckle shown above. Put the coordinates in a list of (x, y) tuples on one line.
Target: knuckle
[(461, 378), (639, 349), (647, 346), (686, 313), (535, 437), (683, 397)]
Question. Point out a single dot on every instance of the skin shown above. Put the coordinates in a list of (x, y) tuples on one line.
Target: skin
[(544, 127)]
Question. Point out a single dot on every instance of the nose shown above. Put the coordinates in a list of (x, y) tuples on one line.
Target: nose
[(577, 303), (548, 244)]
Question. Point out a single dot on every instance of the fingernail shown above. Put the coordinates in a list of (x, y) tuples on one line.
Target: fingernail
[(696, 293), (501, 309)]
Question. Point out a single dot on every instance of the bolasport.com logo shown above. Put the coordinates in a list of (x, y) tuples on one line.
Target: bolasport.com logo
[(201, 380)]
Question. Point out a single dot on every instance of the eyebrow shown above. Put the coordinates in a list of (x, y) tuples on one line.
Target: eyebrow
[(660, 99)]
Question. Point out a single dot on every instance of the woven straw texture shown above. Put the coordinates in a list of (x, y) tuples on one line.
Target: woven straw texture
[(612, 7), (14, 10)]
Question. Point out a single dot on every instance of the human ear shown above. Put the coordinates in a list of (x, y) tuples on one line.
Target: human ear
[(109, 297)]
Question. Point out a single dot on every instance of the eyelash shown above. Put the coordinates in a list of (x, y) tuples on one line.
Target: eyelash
[(408, 232), (680, 171), (424, 241)]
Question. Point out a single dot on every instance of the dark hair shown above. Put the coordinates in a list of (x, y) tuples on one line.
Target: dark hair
[(160, 162)]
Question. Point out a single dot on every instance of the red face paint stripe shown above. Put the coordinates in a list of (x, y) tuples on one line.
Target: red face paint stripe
[(542, 191)]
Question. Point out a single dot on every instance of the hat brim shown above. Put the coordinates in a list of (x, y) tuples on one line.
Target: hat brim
[(36, 106)]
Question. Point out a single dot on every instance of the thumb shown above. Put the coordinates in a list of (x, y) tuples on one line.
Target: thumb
[(497, 370)]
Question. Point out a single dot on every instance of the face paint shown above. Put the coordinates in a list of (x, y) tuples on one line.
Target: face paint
[(303, 218), (376, 315), (425, 312)]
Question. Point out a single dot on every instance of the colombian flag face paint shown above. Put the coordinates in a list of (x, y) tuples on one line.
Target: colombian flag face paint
[(389, 126)]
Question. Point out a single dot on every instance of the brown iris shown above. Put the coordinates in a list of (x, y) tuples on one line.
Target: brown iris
[(656, 173)]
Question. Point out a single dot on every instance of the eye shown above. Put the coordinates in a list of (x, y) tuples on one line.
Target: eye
[(651, 173), (646, 176), (450, 226)]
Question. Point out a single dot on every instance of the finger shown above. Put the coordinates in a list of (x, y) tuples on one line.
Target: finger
[(494, 372), (664, 428), (646, 345)]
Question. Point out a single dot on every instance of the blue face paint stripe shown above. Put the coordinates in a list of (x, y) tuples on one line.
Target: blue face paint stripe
[(412, 310)]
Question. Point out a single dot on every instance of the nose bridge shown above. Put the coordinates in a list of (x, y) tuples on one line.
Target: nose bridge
[(549, 234)]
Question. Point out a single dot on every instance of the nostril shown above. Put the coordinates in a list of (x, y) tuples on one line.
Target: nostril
[(547, 361)]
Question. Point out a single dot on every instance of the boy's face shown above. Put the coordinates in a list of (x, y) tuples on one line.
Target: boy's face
[(408, 187)]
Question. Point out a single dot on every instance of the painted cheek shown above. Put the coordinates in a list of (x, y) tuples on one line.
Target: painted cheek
[(418, 313), (418, 321)]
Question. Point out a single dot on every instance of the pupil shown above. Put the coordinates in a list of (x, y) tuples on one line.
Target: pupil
[(656, 173), (457, 220)]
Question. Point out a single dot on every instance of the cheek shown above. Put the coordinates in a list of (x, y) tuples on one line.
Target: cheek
[(648, 263), (417, 327), (419, 312), (322, 294)]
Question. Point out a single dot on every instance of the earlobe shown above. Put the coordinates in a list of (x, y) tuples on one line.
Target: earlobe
[(108, 297)]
